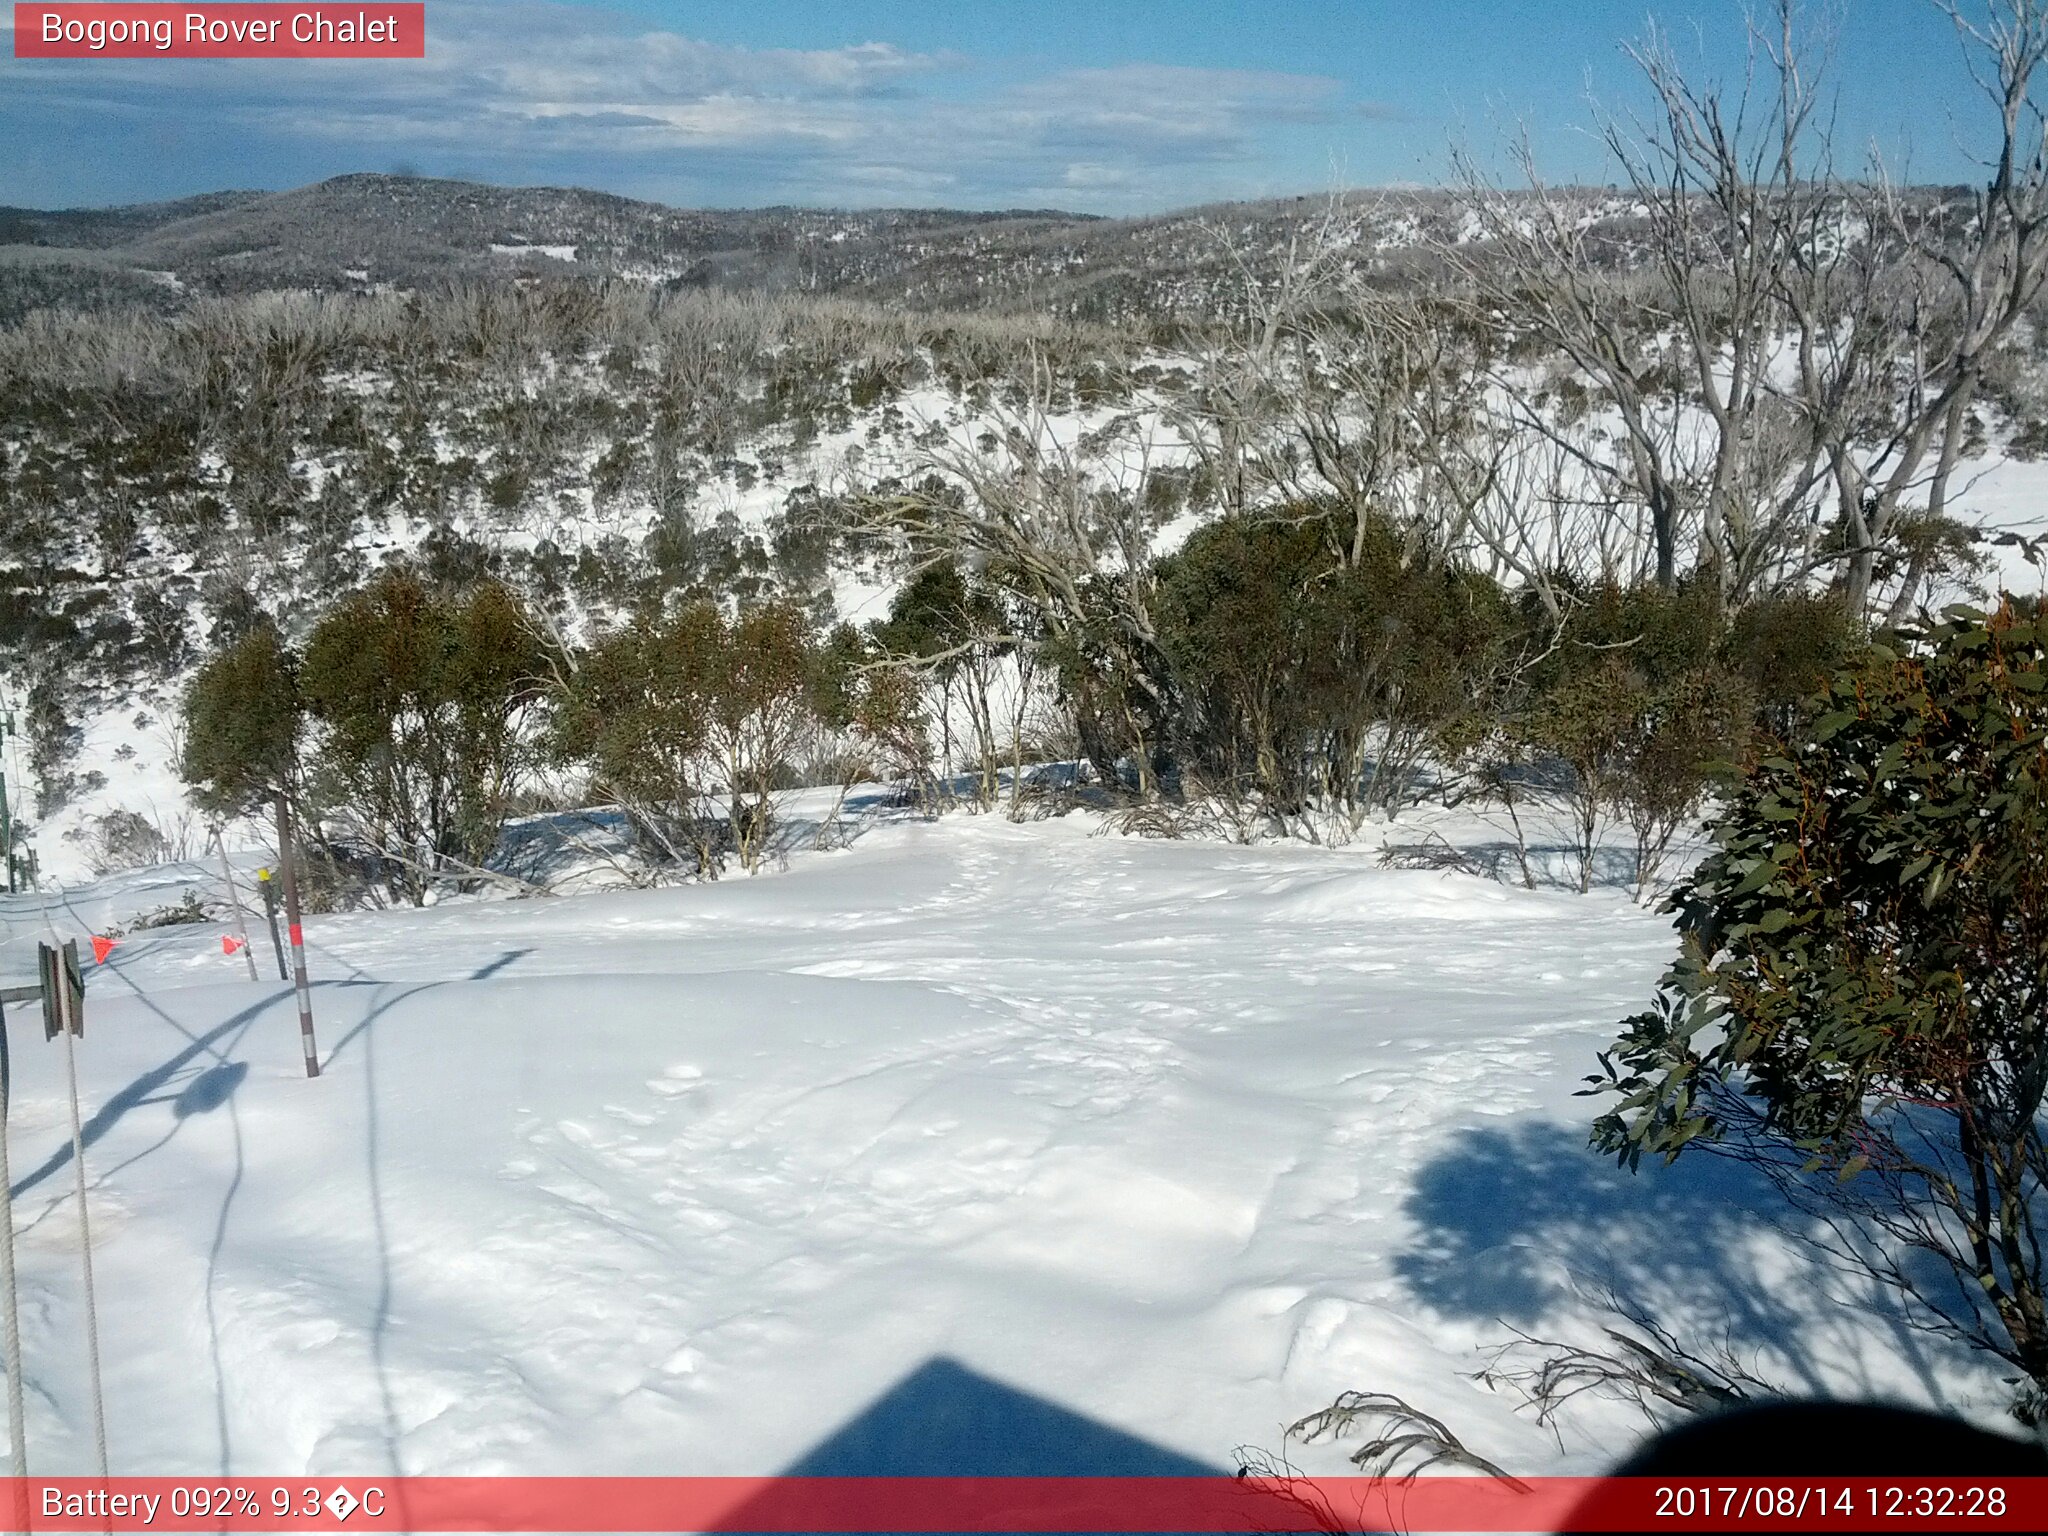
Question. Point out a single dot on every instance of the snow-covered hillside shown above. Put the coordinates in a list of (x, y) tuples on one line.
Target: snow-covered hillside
[(1183, 1137), (124, 760)]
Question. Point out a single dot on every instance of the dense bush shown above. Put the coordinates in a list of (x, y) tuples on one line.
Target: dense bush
[(401, 724), (690, 721), (1300, 660), (1239, 610), (1634, 707), (1301, 670), (951, 630), (877, 706), (419, 694), (243, 723), (1786, 648), (1858, 1002)]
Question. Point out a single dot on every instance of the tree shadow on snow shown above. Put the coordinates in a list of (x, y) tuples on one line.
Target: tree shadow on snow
[(1526, 1226), (191, 1092), (191, 1087), (546, 848), (202, 1078), (491, 968)]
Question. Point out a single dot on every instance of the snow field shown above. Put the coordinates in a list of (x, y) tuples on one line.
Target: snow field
[(1184, 1137)]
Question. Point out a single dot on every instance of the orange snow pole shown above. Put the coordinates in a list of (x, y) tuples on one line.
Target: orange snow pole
[(298, 937)]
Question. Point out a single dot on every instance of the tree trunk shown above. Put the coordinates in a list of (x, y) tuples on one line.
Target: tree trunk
[(1664, 532)]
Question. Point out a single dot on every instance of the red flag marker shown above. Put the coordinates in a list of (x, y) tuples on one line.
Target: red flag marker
[(230, 945), (101, 948)]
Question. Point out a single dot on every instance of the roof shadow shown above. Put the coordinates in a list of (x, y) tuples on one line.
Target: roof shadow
[(945, 1420)]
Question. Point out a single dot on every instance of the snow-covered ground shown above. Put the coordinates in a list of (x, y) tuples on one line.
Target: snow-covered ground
[(1183, 1137), (2008, 495)]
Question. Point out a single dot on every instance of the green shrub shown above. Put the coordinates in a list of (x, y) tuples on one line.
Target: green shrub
[(1295, 663), (672, 714), (419, 693), (243, 721), (1860, 1001)]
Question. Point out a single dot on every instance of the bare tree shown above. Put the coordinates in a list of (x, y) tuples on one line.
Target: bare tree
[(1764, 340), (1662, 300), (1971, 275), (1052, 510), (1333, 393)]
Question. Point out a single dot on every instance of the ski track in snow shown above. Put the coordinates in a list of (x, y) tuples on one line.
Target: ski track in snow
[(1188, 1138)]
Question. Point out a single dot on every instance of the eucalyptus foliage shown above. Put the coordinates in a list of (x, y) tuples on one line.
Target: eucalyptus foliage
[(1860, 1003)]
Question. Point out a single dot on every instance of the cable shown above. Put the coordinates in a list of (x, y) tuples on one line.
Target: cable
[(10, 1315), (92, 1311), (92, 1314)]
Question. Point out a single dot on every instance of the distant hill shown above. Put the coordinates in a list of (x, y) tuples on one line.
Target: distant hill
[(367, 231), (101, 228), (353, 232), (356, 231)]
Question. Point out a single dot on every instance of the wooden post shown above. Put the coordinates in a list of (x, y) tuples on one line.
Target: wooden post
[(268, 887), (6, 829), (227, 872), (298, 937)]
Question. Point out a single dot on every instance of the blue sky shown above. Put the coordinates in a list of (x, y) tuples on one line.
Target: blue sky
[(1108, 106)]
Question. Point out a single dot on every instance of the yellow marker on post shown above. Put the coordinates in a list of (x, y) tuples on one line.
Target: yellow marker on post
[(268, 887)]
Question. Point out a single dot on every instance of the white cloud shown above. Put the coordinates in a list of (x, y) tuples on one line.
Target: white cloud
[(532, 91), (1094, 177)]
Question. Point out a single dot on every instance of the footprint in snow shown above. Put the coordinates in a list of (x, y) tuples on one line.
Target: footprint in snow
[(677, 1080), (684, 1362)]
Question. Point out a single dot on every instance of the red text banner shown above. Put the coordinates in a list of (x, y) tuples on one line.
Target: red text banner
[(1033, 1504), (315, 31)]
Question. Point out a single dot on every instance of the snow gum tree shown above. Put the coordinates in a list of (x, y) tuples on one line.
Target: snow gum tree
[(951, 627), (1860, 1003), (674, 713), (244, 718), (1784, 356), (1056, 519), (420, 694)]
